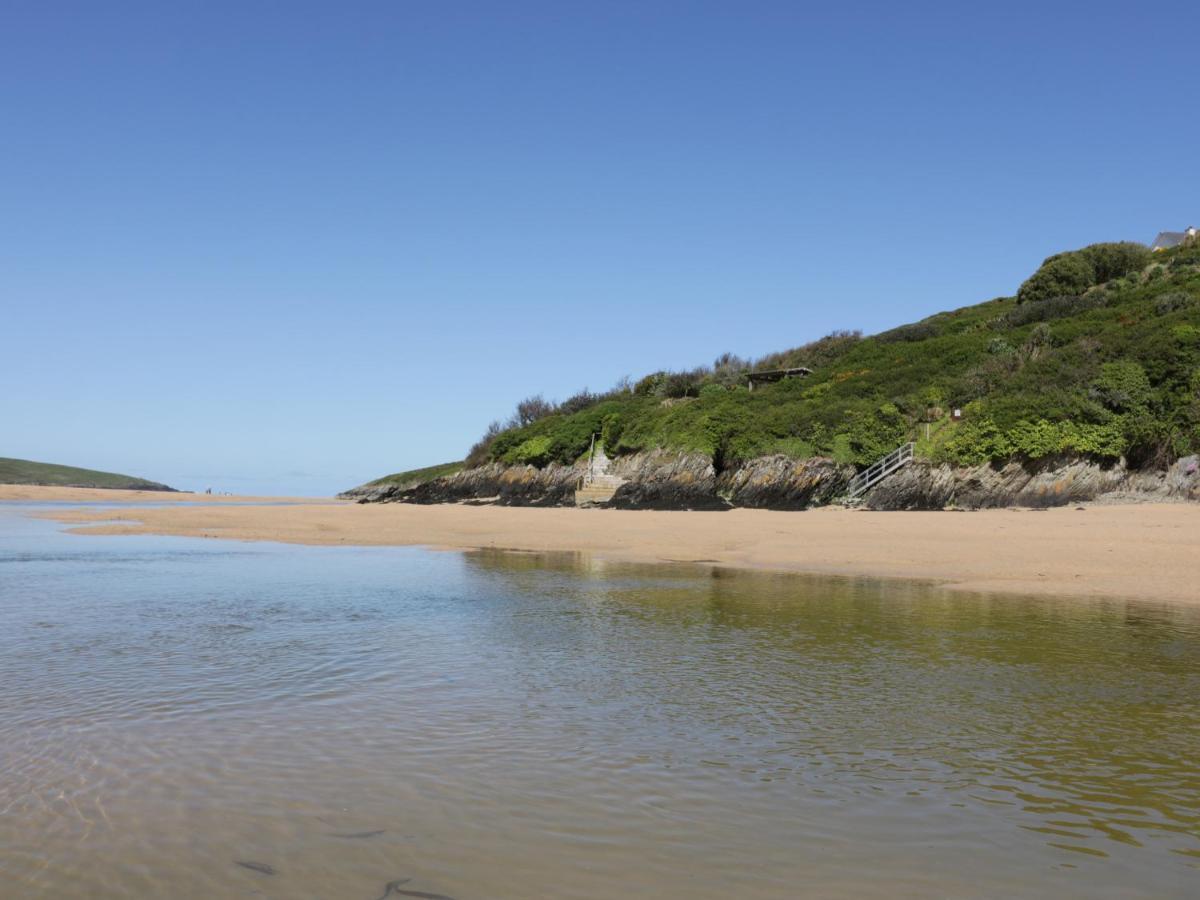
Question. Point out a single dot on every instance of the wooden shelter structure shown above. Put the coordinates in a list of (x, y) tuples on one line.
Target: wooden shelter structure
[(770, 376)]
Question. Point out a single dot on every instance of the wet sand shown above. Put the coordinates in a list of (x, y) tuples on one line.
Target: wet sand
[(1147, 552)]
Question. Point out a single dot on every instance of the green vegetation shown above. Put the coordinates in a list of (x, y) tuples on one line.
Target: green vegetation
[(1098, 355), (1072, 273), (413, 477), (23, 471)]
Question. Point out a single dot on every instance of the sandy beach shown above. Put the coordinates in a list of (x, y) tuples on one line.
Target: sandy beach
[(1148, 552), (36, 493)]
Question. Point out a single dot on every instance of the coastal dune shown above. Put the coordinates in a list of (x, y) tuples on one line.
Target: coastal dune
[(1147, 551)]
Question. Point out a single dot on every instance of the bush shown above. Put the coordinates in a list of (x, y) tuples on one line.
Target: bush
[(610, 431), (1052, 308), (530, 410), (1122, 386), (534, 452), (1172, 302), (674, 385), (1072, 273), (480, 451), (1115, 260), (648, 386), (1062, 275), (976, 441), (918, 331), (578, 402), (1038, 439), (815, 355)]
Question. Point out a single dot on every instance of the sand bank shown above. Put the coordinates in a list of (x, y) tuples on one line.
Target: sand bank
[(36, 493), (1140, 551)]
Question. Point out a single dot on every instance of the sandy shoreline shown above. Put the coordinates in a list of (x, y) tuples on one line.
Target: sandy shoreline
[(1148, 552), (36, 493)]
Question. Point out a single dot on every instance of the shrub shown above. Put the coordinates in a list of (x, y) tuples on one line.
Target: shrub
[(976, 441), (610, 431), (480, 451), (1053, 308), (815, 355), (578, 402), (1041, 438), (648, 385), (1064, 274), (1186, 334), (530, 410), (1122, 386), (1072, 273), (1114, 260), (1176, 300), (918, 331), (534, 452)]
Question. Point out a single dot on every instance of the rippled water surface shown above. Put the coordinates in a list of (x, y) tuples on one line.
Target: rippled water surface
[(185, 718)]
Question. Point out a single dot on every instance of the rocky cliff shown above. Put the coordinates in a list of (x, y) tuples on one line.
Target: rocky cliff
[(1057, 482), (667, 480), (655, 480)]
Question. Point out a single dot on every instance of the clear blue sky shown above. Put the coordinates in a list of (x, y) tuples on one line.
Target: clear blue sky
[(288, 246)]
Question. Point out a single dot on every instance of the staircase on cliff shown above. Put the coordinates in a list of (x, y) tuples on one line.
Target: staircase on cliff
[(597, 486), (875, 473)]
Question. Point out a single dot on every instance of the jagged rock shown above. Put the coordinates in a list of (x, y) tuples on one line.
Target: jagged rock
[(368, 494), (505, 485), (780, 482), (663, 479), (1049, 482)]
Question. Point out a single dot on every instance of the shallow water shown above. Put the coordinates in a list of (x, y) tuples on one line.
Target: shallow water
[(509, 726)]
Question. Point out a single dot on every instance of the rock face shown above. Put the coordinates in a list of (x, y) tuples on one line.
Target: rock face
[(923, 485), (779, 482), (661, 479), (495, 483)]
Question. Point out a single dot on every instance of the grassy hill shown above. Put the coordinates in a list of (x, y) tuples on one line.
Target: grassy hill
[(1097, 354), (411, 478), (24, 471)]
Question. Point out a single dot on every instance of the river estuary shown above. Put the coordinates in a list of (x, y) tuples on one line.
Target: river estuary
[(187, 718)]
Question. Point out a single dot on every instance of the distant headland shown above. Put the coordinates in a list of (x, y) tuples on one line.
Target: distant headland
[(25, 471)]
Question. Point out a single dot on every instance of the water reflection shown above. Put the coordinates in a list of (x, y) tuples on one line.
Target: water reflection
[(196, 719), (1079, 717)]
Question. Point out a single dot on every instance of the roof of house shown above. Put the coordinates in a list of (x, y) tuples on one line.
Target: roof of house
[(1168, 239)]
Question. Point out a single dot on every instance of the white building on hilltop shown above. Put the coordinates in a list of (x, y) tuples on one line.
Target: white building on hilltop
[(1169, 239)]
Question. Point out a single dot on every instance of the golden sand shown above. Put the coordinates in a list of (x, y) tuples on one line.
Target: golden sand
[(1147, 551)]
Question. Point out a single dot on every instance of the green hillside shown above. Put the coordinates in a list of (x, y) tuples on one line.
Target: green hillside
[(413, 477), (1098, 354), (24, 471)]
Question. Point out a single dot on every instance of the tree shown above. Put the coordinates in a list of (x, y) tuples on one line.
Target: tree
[(530, 410)]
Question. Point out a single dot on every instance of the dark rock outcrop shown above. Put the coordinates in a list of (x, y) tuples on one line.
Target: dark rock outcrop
[(1055, 482), (495, 483), (662, 479), (780, 482)]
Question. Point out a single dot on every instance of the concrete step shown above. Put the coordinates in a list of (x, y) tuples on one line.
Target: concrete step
[(613, 481), (592, 494)]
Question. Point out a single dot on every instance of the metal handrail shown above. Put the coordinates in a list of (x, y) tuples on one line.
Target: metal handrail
[(877, 471)]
